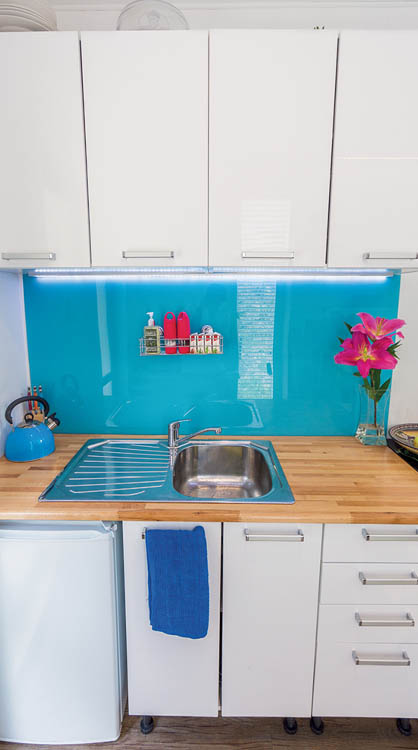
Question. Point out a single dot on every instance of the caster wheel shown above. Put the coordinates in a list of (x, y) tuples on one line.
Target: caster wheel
[(317, 725), (146, 724), (404, 726), (290, 725)]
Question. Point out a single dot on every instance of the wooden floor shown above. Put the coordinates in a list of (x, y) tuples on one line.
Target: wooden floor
[(254, 734)]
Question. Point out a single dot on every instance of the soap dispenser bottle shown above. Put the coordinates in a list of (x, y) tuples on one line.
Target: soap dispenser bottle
[(151, 336)]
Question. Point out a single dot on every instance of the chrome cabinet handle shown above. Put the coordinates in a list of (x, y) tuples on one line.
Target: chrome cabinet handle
[(28, 256), (148, 254), (266, 255), (406, 255), (254, 537), (412, 580), (378, 622), (391, 537), (381, 661)]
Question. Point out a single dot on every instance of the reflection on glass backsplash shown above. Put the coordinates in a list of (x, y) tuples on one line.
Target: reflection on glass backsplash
[(256, 312), (276, 376)]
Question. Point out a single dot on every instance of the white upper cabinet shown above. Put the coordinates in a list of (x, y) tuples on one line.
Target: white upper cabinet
[(374, 196), (43, 192), (146, 108), (270, 136)]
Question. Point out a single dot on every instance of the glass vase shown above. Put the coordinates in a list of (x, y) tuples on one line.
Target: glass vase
[(371, 429)]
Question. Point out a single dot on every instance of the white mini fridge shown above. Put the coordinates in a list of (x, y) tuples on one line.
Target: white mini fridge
[(62, 632)]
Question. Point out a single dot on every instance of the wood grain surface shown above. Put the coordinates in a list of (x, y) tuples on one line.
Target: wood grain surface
[(178, 733), (333, 479)]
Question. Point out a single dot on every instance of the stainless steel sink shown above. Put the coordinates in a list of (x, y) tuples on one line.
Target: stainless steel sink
[(113, 470), (222, 472)]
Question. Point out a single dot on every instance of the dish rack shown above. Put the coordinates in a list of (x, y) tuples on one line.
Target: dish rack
[(178, 343)]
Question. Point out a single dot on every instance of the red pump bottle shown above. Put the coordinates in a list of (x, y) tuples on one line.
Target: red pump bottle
[(183, 333), (170, 333)]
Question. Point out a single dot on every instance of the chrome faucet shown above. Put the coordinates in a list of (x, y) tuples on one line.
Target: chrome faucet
[(174, 439)]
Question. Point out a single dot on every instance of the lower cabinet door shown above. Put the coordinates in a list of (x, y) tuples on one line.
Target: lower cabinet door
[(362, 679), (270, 602), (169, 675)]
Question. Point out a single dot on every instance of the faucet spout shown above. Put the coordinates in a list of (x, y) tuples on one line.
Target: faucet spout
[(216, 430), (174, 439)]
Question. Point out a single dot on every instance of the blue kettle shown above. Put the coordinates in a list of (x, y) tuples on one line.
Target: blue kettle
[(30, 439)]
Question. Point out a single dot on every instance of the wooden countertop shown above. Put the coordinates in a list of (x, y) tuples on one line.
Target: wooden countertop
[(333, 479)]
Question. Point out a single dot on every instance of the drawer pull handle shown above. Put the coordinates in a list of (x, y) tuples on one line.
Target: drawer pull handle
[(378, 622), (251, 537), (381, 661), (405, 255), (148, 254), (392, 537), (28, 256), (412, 580), (266, 255)]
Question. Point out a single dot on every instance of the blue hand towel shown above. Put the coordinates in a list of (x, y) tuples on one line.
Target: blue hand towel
[(178, 583)]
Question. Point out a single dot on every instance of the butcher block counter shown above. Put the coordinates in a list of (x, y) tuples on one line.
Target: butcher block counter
[(333, 479)]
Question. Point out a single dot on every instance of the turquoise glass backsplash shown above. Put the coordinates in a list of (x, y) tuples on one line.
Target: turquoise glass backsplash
[(276, 376)]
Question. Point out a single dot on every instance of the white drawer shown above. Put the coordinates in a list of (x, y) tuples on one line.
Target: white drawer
[(349, 543), (376, 623), (341, 583), (343, 688)]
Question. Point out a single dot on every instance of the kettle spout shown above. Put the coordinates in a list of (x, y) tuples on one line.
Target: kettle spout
[(52, 421)]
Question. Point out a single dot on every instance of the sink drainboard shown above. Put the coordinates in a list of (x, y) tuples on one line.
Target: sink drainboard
[(112, 469)]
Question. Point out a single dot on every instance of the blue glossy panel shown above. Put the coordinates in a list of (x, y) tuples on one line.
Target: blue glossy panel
[(277, 375)]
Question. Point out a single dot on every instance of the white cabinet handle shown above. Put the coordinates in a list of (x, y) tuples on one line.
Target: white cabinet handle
[(412, 580), (148, 254), (382, 661), (390, 537), (406, 255), (251, 537), (379, 622), (266, 255), (28, 256)]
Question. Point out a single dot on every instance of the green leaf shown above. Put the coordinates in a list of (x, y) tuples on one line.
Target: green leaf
[(392, 349), (348, 326), (367, 386), (356, 374), (340, 339), (382, 390)]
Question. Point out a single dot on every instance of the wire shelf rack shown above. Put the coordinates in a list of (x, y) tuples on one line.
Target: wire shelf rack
[(214, 347)]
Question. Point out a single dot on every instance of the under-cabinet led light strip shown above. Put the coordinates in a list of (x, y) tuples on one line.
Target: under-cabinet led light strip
[(214, 274)]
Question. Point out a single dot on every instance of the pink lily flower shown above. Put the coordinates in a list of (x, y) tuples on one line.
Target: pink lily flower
[(358, 351), (378, 328)]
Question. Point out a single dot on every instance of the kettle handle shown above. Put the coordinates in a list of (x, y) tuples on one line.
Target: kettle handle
[(22, 400)]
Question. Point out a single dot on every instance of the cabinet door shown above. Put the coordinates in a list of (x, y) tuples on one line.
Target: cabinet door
[(146, 105), (373, 217), (168, 675), (271, 117), (270, 603), (43, 192)]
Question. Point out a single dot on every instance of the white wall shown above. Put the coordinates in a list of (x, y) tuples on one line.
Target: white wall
[(275, 14), (14, 368), (404, 398)]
